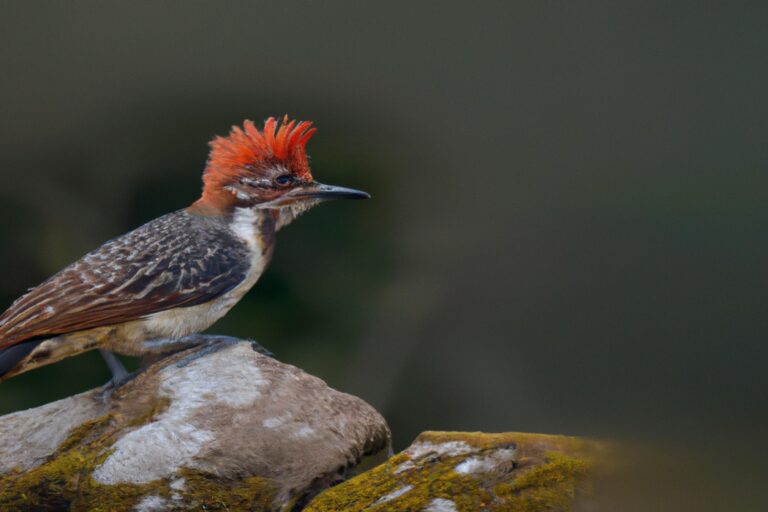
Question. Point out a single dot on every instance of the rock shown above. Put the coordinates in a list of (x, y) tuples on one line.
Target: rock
[(219, 427), (223, 427), (470, 472)]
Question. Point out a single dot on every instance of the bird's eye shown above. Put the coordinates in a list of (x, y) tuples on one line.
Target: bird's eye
[(284, 179)]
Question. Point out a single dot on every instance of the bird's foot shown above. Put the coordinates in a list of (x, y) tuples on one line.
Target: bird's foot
[(210, 343), (118, 381), (258, 347), (215, 339), (120, 376)]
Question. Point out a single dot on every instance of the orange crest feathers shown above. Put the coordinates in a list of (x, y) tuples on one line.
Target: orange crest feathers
[(247, 149)]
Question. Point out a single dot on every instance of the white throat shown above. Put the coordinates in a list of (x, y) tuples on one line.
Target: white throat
[(246, 223)]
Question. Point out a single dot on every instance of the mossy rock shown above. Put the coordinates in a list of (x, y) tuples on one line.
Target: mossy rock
[(226, 428), (65, 483), (214, 428), (472, 472)]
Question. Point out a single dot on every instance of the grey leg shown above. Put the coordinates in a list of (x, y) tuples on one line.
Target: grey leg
[(119, 374)]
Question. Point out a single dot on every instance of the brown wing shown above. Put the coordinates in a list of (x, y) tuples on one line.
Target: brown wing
[(176, 260)]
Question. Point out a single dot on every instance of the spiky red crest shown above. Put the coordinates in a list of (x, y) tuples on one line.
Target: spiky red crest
[(246, 151)]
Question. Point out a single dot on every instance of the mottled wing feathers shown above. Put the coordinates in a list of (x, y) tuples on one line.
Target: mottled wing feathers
[(174, 261)]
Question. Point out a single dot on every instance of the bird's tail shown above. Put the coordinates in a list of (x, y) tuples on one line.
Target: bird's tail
[(11, 356)]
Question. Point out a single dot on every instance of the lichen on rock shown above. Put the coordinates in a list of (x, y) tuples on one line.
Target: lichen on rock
[(197, 430), (460, 471), (224, 427)]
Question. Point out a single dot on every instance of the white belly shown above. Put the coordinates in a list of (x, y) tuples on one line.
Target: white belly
[(136, 337), (179, 322)]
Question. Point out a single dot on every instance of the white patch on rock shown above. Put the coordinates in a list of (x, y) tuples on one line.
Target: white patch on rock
[(303, 431), (273, 422), (440, 505), (405, 466), (474, 465), (160, 448), (151, 504), (178, 484), (449, 448), (285, 423), (393, 495)]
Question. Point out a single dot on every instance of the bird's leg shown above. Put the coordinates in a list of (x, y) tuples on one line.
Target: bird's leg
[(119, 374)]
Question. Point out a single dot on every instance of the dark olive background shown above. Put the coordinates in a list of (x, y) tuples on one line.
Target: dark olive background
[(567, 231)]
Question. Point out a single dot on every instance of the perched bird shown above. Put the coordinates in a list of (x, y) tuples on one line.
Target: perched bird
[(145, 291)]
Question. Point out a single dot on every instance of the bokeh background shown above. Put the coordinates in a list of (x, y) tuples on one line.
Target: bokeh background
[(568, 225)]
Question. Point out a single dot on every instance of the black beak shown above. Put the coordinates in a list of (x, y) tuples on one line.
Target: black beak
[(327, 192)]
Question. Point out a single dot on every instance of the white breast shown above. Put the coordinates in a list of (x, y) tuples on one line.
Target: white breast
[(175, 323)]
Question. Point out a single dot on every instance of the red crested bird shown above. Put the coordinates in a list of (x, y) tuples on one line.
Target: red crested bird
[(145, 291)]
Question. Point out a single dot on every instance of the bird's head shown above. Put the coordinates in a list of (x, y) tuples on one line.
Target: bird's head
[(265, 169)]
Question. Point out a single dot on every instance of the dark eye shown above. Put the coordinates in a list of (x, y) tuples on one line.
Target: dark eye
[(284, 179)]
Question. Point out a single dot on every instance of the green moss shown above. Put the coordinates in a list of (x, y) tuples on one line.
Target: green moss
[(551, 472), (64, 482), (160, 405), (555, 485), (524, 441), (430, 478), (204, 492), (85, 433)]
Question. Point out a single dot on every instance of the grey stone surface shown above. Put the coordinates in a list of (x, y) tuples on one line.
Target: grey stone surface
[(225, 413)]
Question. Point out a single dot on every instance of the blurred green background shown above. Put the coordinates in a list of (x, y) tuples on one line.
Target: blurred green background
[(567, 231)]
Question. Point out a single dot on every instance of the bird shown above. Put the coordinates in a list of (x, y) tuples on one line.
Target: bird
[(148, 291)]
